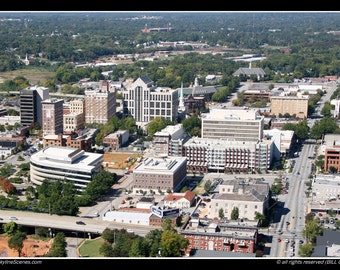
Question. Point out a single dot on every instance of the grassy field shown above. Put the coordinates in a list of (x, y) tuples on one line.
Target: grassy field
[(90, 248), (35, 75)]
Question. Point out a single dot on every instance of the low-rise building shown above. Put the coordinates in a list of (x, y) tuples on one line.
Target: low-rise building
[(248, 197), (180, 200), (159, 175), (215, 235), (66, 164)]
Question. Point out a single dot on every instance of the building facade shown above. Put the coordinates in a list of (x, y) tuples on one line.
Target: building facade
[(70, 140), (65, 164), (332, 152), (52, 115), (30, 105), (160, 175), (220, 236), (117, 139), (213, 155), (74, 119), (144, 101), (248, 197), (100, 105), (233, 124), (169, 141), (292, 105)]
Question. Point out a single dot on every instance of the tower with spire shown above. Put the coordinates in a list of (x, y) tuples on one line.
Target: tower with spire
[(181, 99), (26, 61)]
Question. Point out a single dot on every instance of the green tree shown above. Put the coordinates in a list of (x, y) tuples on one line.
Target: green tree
[(17, 241), (260, 218), (10, 228), (137, 248), (110, 235), (100, 184), (311, 230), (172, 244), (324, 126), (234, 213), (58, 247), (191, 124), (57, 197), (208, 186), (306, 250), (152, 242), (221, 213), (106, 249), (157, 124)]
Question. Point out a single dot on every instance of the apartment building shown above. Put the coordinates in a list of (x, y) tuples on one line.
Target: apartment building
[(100, 105), (224, 155), (52, 115), (74, 116), (169, 141), (144, 101), (292, 105), (233, 124)]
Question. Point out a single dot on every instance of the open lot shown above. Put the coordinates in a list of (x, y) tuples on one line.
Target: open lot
[(34, 75), (120, 160)]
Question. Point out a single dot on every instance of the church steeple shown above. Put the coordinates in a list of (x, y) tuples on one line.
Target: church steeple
[(181, 105), (26, 61)]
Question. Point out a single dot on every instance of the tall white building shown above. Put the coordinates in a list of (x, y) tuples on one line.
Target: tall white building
[(144, 101), (233, 124)]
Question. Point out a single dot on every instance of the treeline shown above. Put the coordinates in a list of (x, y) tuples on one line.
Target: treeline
[(293, 42), (59, 197)]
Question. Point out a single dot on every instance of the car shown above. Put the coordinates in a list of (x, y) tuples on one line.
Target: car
[(13, 218), (279, 240), (1, 218), (300, 241), (79, 222), (286, 240)]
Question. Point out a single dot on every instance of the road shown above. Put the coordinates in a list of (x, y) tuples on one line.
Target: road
[(294, 206)]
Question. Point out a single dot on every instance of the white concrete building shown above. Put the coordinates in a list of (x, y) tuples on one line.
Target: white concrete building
[(249, 197), (66, 164), (233, 124)]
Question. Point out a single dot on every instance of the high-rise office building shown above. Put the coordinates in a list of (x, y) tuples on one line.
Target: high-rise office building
[(233, 124), (144, 101), (30, 105), (52, 113)]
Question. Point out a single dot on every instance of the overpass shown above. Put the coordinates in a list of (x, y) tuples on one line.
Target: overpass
[(59, 223), (67, 224)]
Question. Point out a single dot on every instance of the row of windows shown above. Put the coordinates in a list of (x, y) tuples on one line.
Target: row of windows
[(243, 123), (81, 175), (161, 182)]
